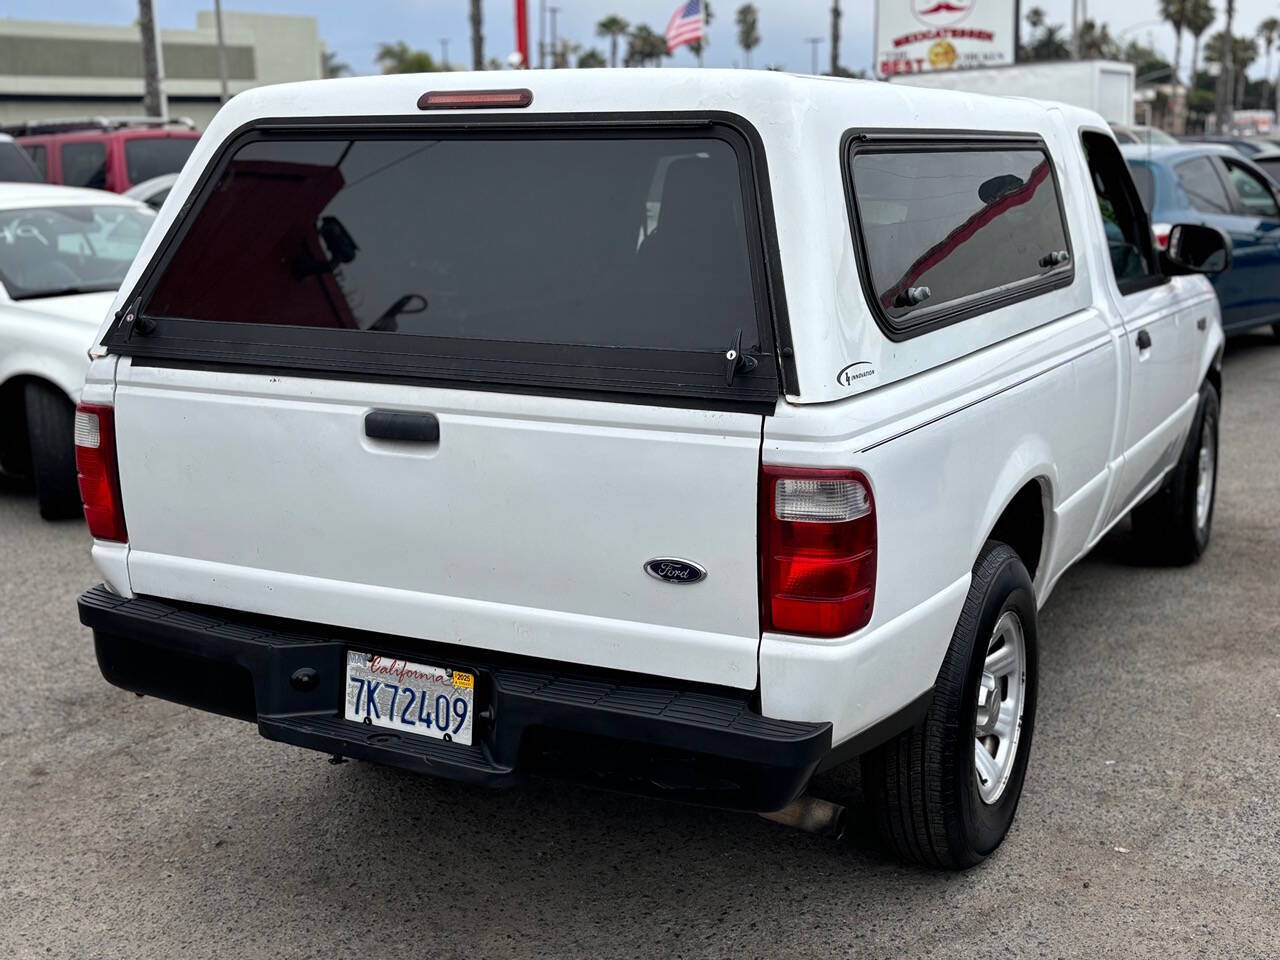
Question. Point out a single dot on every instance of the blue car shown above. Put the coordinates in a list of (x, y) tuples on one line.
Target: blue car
[(1215, 185)]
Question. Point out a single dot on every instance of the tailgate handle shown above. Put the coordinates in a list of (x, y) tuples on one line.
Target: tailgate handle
[(402, 425)]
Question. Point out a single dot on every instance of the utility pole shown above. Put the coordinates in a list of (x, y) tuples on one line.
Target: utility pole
[(1075, 29), (1226, 89), (814, 43), (542, 34), (835, 37), (222, 49), (154, 101), (444, 53), (477, 35), (554, 41)]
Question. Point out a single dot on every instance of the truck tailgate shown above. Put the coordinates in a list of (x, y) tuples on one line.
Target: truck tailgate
[(525, 529)]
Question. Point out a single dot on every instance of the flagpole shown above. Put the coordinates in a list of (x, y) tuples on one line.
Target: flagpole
[(702, 6)]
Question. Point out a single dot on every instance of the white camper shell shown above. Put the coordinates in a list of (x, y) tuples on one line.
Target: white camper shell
[(728, 422)]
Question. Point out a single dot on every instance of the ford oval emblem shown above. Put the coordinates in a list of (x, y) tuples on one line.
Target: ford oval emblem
[(674, 570)]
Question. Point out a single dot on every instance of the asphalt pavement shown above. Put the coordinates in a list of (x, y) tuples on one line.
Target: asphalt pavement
[(1149, 827)]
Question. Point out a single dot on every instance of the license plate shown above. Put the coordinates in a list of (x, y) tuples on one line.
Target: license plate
[(409, 697)]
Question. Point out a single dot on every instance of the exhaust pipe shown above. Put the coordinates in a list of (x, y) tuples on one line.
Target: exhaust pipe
[(812, 816)]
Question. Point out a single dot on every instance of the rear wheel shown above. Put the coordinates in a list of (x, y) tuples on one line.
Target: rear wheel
[(1173, 526), (51, 429), (945, 792)]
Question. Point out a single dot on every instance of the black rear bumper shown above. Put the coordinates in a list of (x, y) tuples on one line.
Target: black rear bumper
[(639, 734)]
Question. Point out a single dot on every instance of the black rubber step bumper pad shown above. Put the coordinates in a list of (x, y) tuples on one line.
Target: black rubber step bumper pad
[(624, 731)]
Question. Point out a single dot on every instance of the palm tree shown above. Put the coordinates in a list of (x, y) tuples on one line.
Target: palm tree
[(331, 66), (1200, 17), (1244, 55), (1049, 45), (150, 65), (1046, 42), (613, 27), (1096, 42), (399, 58), (1226, 75), (1268, 31), (748, 19), (644, 47), (477, 35), (592, 58), (1233, 56), (1174, 12), (698, 45), (563, 52)]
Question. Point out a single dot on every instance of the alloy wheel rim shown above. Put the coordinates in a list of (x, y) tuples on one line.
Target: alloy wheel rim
[(1205, 476), (1001, 696)]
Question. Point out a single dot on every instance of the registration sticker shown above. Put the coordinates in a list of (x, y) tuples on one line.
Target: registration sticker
[(411, 698)]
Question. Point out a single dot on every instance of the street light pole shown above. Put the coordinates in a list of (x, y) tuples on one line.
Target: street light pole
[(554, 43), (444, 53), (542, 33), (814, 43), (164, 96), (222, 49)]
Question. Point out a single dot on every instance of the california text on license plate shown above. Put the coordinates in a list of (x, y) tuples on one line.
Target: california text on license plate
[(409, 697)]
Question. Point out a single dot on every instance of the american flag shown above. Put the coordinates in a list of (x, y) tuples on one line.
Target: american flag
[(686, 25)]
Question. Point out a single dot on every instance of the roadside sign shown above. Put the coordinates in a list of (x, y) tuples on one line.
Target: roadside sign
[(924, 36)]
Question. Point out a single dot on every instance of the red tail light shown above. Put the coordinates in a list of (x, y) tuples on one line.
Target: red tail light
[(817, 550), (99, 474)]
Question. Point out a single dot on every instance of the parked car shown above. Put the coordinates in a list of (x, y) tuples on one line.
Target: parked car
[(650, 466), (106, 154), (1268, 161), (1140, 134), (153, 192), (1214, 185), (15, 165), (1244, 145), (63, 253)]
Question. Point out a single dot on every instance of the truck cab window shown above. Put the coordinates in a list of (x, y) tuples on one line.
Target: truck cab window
[(1123, 220)]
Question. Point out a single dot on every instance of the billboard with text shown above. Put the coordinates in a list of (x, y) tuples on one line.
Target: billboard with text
[(922, 36)]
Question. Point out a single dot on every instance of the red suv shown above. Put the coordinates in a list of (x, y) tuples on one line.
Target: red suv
[(106, 154)]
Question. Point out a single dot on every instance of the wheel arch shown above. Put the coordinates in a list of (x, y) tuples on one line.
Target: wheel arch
[(1023, 519), (1214, 373), (1215, 346)]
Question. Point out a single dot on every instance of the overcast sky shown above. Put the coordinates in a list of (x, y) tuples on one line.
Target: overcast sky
[(354, 29)]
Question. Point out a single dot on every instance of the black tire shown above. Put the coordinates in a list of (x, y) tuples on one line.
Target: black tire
[(51, 429), (922, 787), (1275, 331), (1166, 526)]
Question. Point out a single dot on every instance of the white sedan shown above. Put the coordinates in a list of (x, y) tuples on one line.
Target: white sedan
[(63, 253)]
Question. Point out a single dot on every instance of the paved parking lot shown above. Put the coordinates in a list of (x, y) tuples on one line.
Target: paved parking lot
[(133, 828)]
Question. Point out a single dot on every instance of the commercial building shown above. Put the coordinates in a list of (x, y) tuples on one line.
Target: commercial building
[(53, 70)]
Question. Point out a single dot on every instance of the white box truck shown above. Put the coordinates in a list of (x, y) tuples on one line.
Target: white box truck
[(1104, 86)]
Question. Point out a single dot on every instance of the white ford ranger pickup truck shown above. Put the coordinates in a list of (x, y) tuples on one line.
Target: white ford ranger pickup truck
[(681, 431)]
